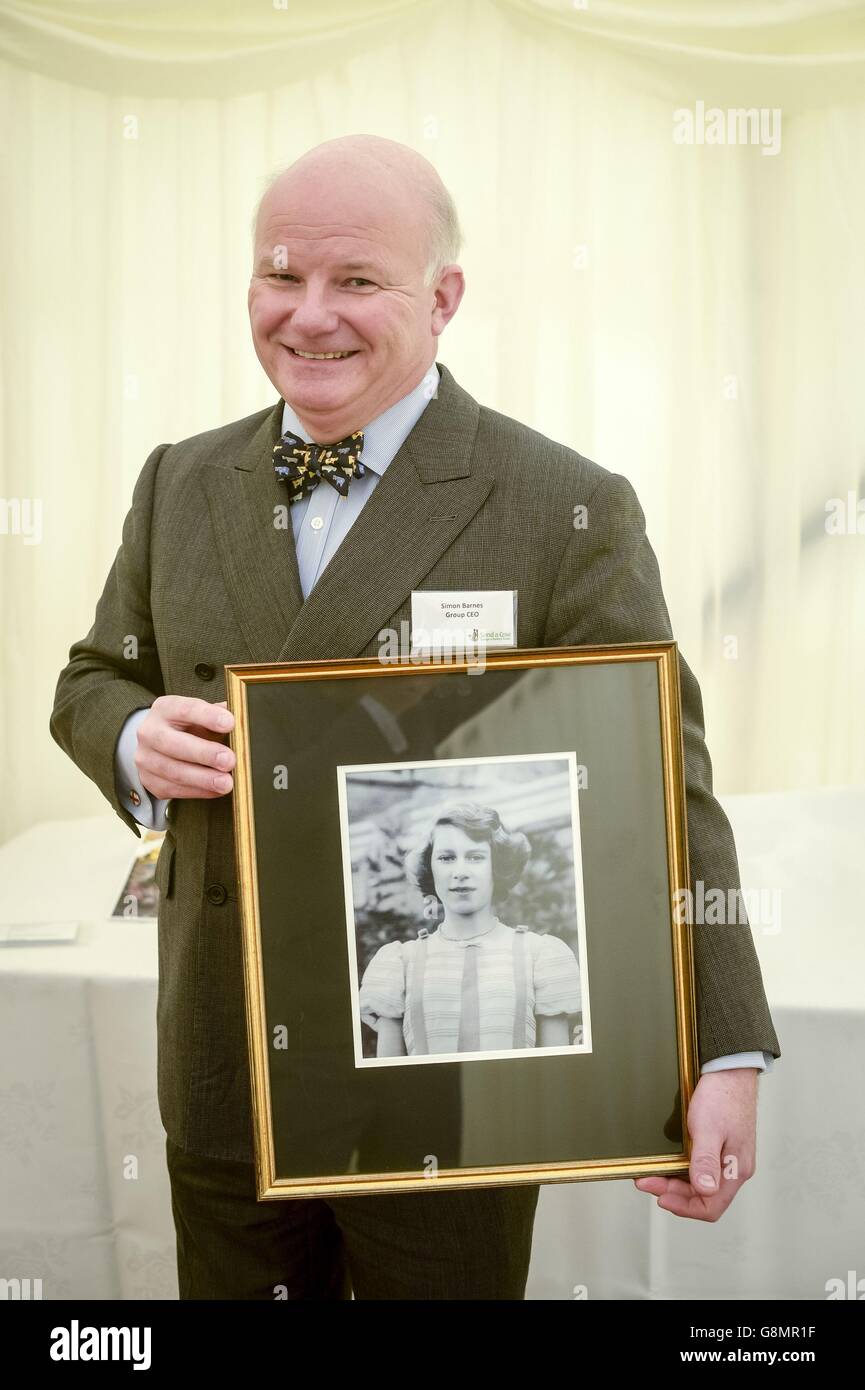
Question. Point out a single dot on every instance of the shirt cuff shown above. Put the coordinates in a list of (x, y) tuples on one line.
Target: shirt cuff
[(763, 1061), (147, 810)]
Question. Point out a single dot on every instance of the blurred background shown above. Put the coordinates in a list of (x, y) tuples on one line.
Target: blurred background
[(664, 212), (691, 315)]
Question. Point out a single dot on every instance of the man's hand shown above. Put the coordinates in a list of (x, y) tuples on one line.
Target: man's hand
[(722, 1123), (180, 750)]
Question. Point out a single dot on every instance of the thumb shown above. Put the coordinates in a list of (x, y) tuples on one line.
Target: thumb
[(705, 1169)]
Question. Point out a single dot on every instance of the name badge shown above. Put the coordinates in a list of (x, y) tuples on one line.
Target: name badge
[(444, 619)]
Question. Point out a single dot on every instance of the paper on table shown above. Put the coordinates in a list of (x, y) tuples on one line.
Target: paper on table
[(16, 933)]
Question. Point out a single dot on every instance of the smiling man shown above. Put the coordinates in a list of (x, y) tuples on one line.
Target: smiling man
[(343, 312), (396, 480)]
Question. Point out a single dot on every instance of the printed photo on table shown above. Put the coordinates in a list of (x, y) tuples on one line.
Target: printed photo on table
[(464, 909)]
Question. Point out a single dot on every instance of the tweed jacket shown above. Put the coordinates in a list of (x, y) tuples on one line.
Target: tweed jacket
[(473, 500)]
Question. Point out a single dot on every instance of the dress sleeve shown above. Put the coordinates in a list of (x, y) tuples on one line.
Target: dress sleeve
[(557, 978), (382, 990)]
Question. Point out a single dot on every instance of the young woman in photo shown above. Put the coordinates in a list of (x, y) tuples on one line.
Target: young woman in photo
[(471, 984)]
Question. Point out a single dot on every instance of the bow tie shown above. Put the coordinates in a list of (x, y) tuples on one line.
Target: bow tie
[(302, 466)]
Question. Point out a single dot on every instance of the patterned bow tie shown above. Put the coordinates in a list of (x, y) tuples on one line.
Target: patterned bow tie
[(302, 466)]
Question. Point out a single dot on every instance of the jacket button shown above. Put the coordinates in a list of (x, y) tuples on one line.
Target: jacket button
[(216, 894), (204, 671)]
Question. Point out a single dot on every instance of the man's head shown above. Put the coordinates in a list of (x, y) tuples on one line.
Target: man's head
[(354, 250)]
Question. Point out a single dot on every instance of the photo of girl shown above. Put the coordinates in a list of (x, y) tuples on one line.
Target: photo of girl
[(467, 982)]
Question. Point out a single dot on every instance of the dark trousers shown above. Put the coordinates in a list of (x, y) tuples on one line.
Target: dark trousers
[(464, 1243)]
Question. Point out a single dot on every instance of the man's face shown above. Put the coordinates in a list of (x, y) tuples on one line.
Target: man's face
[(338, 268)]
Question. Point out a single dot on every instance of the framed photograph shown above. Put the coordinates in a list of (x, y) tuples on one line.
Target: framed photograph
[(459, 878)]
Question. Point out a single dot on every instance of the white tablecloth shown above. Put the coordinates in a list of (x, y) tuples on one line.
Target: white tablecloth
[(84, 1195)]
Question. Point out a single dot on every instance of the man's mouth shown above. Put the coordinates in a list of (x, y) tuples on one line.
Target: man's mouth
[(323, 356)]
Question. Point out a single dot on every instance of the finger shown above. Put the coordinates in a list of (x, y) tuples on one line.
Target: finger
[(679, 1187), (169, 742), (660, 1187), (173, 791), (209, 734), (187, 711), (654, 1185), (695, 1208), (189, 778)]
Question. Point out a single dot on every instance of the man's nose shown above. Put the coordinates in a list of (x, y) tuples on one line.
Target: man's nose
[(313, 313)]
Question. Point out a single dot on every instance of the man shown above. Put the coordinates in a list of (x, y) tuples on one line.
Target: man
[(354, 279)]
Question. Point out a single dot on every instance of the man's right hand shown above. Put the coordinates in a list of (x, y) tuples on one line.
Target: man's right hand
[(181, 752)]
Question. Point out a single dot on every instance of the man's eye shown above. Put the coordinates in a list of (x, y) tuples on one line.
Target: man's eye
[(283, 276)]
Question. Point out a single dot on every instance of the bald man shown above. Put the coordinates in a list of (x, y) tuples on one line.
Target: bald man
[(354, 279)]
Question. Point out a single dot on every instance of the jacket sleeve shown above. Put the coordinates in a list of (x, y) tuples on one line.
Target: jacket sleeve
[(608, 590), (115, 669)]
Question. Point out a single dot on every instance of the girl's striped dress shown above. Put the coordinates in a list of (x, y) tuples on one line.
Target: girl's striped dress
[(473, 996)]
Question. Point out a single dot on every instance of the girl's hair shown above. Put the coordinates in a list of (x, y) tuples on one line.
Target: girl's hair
[(510, 850)]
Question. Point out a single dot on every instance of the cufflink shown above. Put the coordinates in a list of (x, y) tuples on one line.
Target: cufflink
[(135, 798)]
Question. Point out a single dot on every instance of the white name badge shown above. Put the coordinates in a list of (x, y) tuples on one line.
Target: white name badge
[(449, 618)]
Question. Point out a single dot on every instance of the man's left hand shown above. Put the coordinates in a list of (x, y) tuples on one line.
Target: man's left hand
[(722, 1123)]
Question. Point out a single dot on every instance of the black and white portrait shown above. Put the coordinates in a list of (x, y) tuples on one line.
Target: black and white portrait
[(464, 908)]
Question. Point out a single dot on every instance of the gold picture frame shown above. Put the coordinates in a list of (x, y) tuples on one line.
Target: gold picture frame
[(308, 728)]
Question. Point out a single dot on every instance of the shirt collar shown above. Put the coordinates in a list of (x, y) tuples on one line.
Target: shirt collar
[(384, 436)]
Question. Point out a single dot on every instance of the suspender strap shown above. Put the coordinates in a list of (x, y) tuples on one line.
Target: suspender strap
[(521, 946), (418, 1023)]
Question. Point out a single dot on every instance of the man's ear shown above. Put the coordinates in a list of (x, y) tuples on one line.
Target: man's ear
[(448, 294)]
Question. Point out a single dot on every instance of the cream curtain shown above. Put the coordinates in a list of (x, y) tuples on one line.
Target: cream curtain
[(690, 315)]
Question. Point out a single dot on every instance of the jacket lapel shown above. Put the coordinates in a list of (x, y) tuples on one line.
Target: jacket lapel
[(258, 560), (429, 492)]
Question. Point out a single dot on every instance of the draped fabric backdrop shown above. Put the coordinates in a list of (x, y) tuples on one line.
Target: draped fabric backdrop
[(691, 315)]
